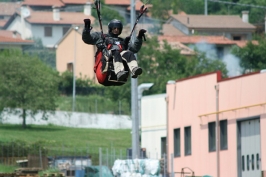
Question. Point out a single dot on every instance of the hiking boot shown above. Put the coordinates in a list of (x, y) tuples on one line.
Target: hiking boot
[(136, 72), (121, 75)]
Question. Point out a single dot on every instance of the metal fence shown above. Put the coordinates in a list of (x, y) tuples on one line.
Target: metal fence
[(67, 159)]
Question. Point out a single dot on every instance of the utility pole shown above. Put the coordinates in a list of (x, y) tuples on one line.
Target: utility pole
[(134, 94), (206, 7)]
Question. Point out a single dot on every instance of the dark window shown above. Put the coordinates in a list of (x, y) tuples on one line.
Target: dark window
[(243, 163), (177, 142), (212, 134), (258, 162), (248, 162), (252, 161), (220, 52), (70, 67), (236, 38), (163, 146), (223, 134), (47, 31), (65, 29), (187, 140)]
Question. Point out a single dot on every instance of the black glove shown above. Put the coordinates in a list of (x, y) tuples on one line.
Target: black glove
[(126, 42), (87, 24), (141, 34)]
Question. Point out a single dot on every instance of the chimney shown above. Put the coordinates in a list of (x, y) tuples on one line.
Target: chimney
[(87, 8), (245, 16), (56, 13)]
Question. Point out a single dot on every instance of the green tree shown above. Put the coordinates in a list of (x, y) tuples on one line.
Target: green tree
[(252, 55), (163, 63), (28, 84)]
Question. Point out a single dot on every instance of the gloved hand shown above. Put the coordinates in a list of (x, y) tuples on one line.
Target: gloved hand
[(141, 34), (126, 42), (87, 24)]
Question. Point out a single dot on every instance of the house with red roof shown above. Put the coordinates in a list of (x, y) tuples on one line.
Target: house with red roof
[(7, 9), (11, 39), (231, 26), (49, 26), (123, 7)]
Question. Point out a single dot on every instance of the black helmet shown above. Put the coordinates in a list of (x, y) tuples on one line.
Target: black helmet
[(115, 23)]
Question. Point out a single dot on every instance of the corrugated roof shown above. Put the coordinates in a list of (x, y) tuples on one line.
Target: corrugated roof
[(213, 21), (43, 17), (8, 8), (43, 3)]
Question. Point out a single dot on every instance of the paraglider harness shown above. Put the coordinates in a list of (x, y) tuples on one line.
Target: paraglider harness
[(103, 67)]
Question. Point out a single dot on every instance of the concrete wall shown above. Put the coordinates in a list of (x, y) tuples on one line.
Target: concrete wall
[(77, 120)]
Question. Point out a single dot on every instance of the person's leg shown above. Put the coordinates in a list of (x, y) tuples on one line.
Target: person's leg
[(132, 63), (119, 66)]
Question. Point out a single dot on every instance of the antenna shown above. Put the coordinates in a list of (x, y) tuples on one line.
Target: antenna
[(25, 12)]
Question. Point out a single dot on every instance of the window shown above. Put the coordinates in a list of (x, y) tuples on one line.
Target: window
[(65, 29), (48, 31), (212, 134), (177, 142), (223, 134), (220, 52), (163, 146), (236, 38), (187, 140), (70, 67)]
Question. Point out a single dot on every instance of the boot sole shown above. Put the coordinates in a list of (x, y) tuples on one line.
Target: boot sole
[(137, 73)]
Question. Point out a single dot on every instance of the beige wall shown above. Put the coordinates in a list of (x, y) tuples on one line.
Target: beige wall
[(82, 53), (196, 96)]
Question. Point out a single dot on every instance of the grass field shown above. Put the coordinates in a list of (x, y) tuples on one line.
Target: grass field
[(70, 140)]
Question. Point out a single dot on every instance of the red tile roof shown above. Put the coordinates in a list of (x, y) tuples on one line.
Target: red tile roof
[(170, 30), (8, 8), (197, 39), (117, 2), (10, 37), (43, 3), (220, 40), (43, 17), (76, 1), (213, 21), (2, 23)]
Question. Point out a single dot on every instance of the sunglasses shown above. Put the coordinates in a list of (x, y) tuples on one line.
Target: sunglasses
[(116, 28)]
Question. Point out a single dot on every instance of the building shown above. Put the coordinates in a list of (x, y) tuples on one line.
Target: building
[(49, 26), (12, 40), (230, 26), (153, 125), (7, 9), (71, 50), (237, 105)]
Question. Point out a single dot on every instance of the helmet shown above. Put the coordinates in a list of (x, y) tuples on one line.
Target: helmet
[(115, 23)]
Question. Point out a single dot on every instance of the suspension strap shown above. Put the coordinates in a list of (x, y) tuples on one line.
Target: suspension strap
[(143, 9)]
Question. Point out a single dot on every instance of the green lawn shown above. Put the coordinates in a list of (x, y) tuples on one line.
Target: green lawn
[(69, 141)]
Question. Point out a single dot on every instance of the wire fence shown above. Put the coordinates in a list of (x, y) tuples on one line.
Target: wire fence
[(68, 159)]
